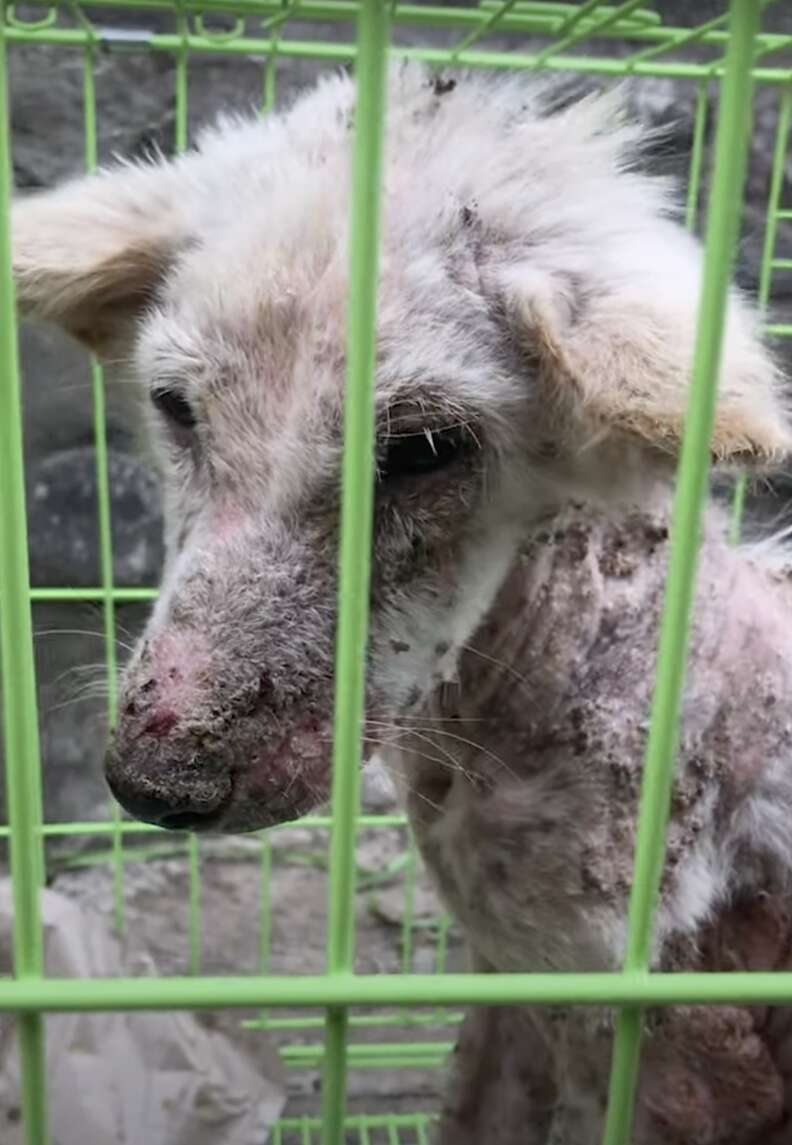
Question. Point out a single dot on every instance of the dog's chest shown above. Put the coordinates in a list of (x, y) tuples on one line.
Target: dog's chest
[(527, 814)]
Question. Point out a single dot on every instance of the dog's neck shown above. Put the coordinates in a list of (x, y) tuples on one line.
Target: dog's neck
[(575, 626)]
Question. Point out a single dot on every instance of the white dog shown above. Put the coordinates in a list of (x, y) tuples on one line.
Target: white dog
[(538, 305)]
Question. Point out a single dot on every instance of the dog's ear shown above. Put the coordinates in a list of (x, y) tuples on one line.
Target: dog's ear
[(89, 254), (613, 347)]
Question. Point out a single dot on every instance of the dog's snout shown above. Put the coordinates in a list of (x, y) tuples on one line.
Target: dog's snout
[(165, 808), (169, 793)]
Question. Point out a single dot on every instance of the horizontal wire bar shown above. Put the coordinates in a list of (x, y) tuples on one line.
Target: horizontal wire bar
[(123, 595), (133, 827), (72, 995), (779, 329), (309, 49), (381, 1051), (375, 1049), (406, 1020), (417, 1062), (362, 1121), (419, 15)]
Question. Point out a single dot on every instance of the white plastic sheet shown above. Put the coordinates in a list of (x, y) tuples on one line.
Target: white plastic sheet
[(132, 1079)]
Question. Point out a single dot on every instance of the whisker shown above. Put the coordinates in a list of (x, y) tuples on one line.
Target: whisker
[(448, 762), (477, 747), (79, 632), (370, 741), (494, 660), (439, 719), (409, 788)]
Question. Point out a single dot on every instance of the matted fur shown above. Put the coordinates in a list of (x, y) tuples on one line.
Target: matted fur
[(538, 303)]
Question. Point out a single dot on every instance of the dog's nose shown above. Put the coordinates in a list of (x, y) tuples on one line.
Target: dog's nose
[(167, 808)]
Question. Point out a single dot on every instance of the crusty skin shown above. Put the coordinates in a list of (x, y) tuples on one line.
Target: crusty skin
[(531, 836), (538, 300)]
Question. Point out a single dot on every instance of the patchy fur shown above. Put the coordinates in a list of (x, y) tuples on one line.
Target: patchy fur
[(538, 304)]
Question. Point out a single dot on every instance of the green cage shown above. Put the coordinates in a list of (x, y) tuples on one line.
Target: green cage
[(342, 1019)]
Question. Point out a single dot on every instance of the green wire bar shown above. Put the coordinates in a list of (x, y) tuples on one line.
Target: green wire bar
[(767, 266), (724, 215), (357, 506), (133, 827), (346, 53), (774, 214), (576, 39), (697, 156), (103, 505), (20, 731), (341, 991)]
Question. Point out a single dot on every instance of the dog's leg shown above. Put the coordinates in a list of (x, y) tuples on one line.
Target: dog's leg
[(584, 1040), (502, 1086)]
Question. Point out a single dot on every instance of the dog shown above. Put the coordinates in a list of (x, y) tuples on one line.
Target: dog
[(538, 301)]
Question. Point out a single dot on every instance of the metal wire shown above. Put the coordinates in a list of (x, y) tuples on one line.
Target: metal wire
[(661, 51)]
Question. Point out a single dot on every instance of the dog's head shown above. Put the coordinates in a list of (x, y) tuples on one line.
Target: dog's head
[(537, 316)]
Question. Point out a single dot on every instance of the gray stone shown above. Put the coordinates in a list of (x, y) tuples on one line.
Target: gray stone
[(62, 520), (378, 791)]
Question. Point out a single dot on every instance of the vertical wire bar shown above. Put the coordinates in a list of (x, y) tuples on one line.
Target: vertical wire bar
[(737, 508), (180, 84), (766, 270), (194, 906), (193, 854), (731, 147), (265, 914), (409, 907), (103, 508), (774, 197), (441, 958), (441, 950), (356, 532), (696, 156), (20, 723), (270, 82)]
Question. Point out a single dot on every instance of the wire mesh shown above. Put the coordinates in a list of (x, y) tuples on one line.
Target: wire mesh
[(343, 1004)]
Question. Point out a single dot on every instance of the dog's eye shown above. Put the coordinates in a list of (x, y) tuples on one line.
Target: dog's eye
[(414, 454), (174, 406)]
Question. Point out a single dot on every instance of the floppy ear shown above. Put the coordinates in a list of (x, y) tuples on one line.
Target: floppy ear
[(614, 348), (89, 254)]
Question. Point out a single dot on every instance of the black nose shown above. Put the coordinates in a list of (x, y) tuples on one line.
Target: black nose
[(164, 811)]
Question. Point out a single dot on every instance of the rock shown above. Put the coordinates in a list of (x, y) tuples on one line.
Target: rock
[(62, 520), (378, 791), (57, 397), (391, 905)]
